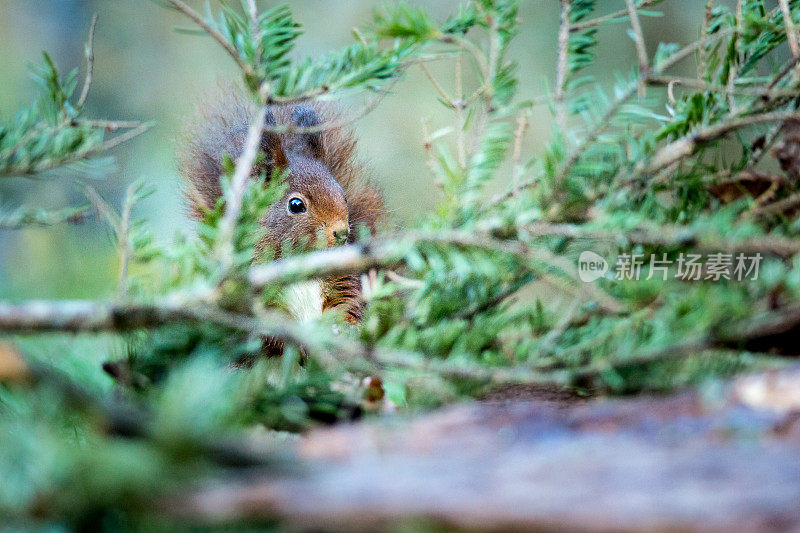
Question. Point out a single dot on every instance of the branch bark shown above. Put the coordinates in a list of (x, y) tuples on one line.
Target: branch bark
[(233, 201)]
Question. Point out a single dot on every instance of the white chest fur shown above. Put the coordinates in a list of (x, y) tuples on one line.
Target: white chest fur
[(304, 300)]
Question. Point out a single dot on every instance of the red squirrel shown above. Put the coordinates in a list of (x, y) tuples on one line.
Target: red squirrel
[(328, 193)]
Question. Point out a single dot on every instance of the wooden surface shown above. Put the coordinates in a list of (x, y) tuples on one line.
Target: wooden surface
[(722, 461)]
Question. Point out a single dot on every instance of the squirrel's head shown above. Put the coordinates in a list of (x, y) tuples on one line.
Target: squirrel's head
[(314, 207)]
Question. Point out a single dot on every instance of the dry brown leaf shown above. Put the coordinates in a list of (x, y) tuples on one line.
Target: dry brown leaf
[(12, 367)]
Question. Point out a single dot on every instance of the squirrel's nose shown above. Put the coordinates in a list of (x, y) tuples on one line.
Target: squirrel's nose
[(340, 235)]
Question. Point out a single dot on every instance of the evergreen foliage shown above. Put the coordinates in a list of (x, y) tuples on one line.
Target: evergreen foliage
[(663, 165)]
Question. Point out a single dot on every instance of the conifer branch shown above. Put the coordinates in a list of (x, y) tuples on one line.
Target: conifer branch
[(688, 145), (195, 17)]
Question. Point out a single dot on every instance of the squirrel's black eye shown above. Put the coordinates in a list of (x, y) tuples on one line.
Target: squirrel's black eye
[(296, 206)]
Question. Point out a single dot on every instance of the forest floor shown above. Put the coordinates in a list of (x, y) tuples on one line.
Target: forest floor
[(723, 458)]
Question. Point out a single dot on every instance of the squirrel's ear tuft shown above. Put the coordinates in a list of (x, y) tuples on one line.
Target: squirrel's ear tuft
[(311, 143), (271, 144)]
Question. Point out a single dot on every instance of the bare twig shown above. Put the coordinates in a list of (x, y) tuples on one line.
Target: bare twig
[(516, 157), (342, 260), (123, 240), (789, 203), (791, 30), (562, 65), (110, 125), (379, 253), (701, 59), (233, 200), (84, 316), (437, 86), (363, 110), (461, 145), (252, 10), (689, 49), (636, 26), (102, 208), (734, 64), (787, 68), (89, 63), (473, 49), (125, 137), (430, 160)]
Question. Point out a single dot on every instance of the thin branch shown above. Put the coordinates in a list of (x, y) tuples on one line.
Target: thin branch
[(473, 50), (603, 125), (689, 49), (252, 10), (390, 251), (110, 125), (562, 65), (763, 93), (790, 203), (791, 30), (233, 200), (617, 16), (701, 59), (733, 70), (84, 316), (89, 63), (673, 236), (364, 110), (687, 145), (516, 157), (380, 253), (123, 240), (23, 218), (461, 143), (119, 139), (102, 208), (437, 86), (430, 160), (342, 260), (636, 26), (597, 131), (213, 33), (78, 316), (788, 68)]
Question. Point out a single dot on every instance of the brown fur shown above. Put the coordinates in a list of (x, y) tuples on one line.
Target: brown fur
[(323, 172)]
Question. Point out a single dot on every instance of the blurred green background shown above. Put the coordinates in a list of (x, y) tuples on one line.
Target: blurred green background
[(146, 71)]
